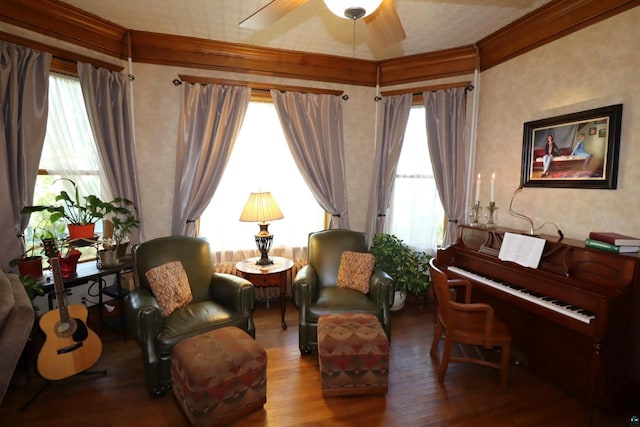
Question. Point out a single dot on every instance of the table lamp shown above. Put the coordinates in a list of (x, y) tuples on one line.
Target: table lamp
[(261, 208)]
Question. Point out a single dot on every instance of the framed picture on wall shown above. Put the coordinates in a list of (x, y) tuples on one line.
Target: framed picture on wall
[(577, 150)]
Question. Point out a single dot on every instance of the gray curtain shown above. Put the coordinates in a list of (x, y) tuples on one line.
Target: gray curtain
[(445, 118), (210, 119), (312, 125), (107, 97), (394, 124), (24, 89)]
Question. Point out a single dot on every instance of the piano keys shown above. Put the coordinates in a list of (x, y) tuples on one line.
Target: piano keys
[(558, 306), (575, 319)]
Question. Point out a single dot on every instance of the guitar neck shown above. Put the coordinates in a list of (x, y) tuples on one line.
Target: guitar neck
[(61, 295)]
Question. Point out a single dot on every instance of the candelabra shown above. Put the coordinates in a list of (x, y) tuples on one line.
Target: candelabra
[(474, 213), (491, 214)]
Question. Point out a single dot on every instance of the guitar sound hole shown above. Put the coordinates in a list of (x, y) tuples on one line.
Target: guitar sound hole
[(65, 329)]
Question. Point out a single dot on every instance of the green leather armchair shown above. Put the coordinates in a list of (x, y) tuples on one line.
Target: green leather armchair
[(219, 300), (316, 292)]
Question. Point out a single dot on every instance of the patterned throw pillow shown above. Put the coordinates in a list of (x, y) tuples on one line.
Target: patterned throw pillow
[(170, 286), (355, 271)]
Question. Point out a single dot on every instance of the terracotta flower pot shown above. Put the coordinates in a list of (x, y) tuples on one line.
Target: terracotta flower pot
[(81, 231), (31, 266)]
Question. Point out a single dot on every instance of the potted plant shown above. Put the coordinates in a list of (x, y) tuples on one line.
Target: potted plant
[(29, 263), (123, 221), (85, 211), (408, 268), (81, 214)]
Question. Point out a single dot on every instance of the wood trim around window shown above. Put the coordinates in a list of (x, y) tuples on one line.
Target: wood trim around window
[(259, 91), (417, 91), (433, 88)]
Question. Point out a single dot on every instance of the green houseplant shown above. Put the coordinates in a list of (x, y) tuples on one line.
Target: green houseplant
[(83, 211), (408, 268), (29, 263), (76, 211), (33, 287), (124, 221)]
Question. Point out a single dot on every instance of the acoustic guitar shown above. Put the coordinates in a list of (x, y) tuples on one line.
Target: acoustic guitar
[(70, 347)]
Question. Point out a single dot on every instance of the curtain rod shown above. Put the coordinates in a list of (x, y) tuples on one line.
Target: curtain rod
[(57, 53), (419, 90), (255, 86)]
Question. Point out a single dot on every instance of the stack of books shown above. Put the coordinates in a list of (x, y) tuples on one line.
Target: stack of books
[(612, 242)]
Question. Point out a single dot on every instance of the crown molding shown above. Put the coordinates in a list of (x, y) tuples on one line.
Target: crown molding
[(551, 22), (193, 52), (65, 22), (427, 66), (63, 60)]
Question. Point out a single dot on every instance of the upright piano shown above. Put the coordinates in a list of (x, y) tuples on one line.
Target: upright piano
[(574, 320)]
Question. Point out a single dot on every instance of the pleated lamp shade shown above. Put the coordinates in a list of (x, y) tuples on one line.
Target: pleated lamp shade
[(261, 207)]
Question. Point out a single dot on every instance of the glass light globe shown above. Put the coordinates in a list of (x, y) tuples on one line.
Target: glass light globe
[(352, 9)]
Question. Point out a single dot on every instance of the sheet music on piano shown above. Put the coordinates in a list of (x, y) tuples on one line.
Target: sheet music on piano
[(521, 249)]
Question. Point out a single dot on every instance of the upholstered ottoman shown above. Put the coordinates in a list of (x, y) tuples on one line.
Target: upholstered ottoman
[(353, 351), (219, 376)]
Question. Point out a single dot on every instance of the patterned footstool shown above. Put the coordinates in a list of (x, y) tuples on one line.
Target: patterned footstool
[(219, 376), (353, 351)]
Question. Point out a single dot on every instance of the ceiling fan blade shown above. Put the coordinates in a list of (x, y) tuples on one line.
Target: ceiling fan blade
[(270, 13), (385, 24)]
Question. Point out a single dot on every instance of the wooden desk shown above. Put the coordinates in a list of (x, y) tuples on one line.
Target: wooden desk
[(264, 276)]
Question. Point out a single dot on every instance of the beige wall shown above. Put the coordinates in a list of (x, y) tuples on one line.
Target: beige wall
[(156, 109), (595, 67), (156, 102)]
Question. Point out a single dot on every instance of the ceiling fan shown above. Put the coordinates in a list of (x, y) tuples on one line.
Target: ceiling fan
[(380, 16)]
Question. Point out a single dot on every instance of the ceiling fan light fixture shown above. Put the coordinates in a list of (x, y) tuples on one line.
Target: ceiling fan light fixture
[(355, 9)]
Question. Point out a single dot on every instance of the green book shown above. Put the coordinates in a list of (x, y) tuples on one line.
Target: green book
[(597, 244)]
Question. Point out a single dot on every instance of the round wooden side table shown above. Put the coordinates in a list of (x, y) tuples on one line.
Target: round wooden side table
[(264, 276)]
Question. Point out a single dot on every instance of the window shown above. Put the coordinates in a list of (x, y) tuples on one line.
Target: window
[(69, 151), (416, 215), (260, 161)]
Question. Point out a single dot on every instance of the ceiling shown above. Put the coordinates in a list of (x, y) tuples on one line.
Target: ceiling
[(430, 25)]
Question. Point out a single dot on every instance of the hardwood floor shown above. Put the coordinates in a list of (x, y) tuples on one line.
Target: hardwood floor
[(471, 395)]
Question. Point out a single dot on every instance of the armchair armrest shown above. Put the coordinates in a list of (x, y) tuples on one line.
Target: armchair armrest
[(141, 304), (233, 292), (381, 288), (305, 285), (145, 320)]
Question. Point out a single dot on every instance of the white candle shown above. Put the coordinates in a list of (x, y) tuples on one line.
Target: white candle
[(493, 188), (478, 183)]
